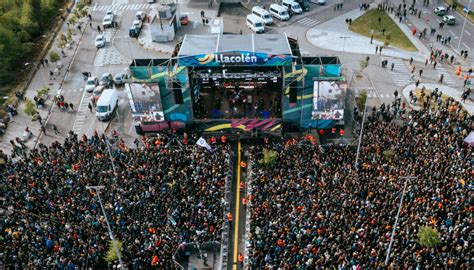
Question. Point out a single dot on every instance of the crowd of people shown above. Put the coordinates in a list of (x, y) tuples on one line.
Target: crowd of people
[(314, 209), (158, 196)]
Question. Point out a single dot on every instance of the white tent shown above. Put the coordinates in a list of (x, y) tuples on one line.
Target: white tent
[(470, 139)]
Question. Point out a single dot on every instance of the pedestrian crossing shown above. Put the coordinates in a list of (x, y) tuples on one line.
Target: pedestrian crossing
[(447, 79), (400, 74), (118, 7), (308, 22), (372, 93), (82, 113)]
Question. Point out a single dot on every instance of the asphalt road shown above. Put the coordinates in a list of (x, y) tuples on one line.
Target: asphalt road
[(460, 40)]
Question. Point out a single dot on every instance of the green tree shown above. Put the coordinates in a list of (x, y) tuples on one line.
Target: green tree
[(30, 107), (428, 237), (386, 43), (53, 57), (270, 157), (111, 256), (361, 99)]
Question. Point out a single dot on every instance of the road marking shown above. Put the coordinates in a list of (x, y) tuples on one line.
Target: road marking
[(465, 45), (95, 6), (452, 33), (237, 208), (466, 32)]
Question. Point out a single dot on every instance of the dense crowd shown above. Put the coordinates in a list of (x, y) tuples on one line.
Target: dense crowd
[(314, 209), (162, 194)]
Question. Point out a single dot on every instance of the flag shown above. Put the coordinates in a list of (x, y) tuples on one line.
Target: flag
[(202, 142)]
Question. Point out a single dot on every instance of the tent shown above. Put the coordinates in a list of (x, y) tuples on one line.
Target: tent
[(470, 139)]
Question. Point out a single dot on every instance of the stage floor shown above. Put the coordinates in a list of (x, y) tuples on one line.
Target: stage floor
[(227, 104)]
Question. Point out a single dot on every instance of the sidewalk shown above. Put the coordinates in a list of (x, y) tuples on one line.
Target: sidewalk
[(340, 38), (41, 79), (455, 94)]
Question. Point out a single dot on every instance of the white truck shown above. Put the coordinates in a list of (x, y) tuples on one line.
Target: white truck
[(107, 104)]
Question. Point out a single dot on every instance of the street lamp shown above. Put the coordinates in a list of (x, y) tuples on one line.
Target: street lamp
[(111, 235), (343, 47), (464, 25), (398, 215)]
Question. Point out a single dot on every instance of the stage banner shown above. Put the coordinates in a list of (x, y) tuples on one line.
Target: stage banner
[(235, 58)]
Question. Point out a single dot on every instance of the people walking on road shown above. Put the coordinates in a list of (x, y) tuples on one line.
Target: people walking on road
[(392, 66), (55, 129), (98, 29), (420, 72), (51, 75), (89, 16), (380, 50), (79, 27), (46, 62), (376, 49), (441, 77), (412, 77), (71, 106), (411, 60), (42, 62), (434, 64), (43, 129), (90, 107)]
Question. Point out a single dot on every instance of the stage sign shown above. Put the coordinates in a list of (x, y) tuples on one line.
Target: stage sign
[(235, 58)]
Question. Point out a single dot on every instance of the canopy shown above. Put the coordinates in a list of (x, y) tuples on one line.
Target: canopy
[(470, 139)]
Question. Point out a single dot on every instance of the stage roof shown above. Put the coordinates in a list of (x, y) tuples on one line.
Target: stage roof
[(208, 44)]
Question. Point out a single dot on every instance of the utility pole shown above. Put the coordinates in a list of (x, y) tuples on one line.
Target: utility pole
[(111, 235), (464, 25), (343, 47), (398, 215), (356, 165)]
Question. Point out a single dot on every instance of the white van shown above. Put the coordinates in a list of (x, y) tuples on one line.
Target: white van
[(279, 12), (255, 24), (107, 104), (292, 6), (263, 14)]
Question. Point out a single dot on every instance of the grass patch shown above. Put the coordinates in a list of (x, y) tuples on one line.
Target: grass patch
[(460, 8), (369, 22)]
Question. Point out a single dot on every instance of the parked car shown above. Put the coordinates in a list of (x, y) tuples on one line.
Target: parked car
[(91, 83), (120, 78), (100, 41), (440, 11), (108, 21), (106, 79), (134, 31), (138, 23), (449, 20), (110, 13), (140, 15), (97, 92)]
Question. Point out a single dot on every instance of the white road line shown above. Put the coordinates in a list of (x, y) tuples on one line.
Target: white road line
[(467, 33), (452, 33), (95, 6), (465, 45)]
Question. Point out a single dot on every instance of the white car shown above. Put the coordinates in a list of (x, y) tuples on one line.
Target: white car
[(100, 41), (140, 15), (120, 78), (138, 24), (108, 21), (91, 83), (110, 13)]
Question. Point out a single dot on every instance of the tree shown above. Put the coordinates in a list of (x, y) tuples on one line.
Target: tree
[(269, 158), (30, 107), (43, 92), (53, 56), (428, 237), (361, 99), (111, 256)]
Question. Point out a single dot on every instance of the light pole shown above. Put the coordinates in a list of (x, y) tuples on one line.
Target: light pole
[(356, 165), (111, 235), (464, 25), (343, 47), (398, 215)]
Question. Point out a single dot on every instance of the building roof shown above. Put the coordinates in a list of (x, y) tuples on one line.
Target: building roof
[(207, 44)]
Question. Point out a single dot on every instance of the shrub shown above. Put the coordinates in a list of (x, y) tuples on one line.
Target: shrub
[(30, 107), (269, 158), (42, 92), (360, 100), (54, 57), (428, 237), (111, 256)]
